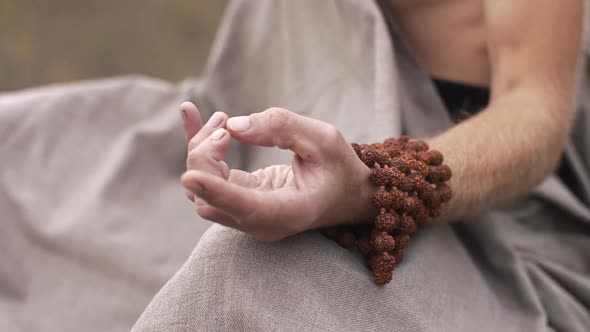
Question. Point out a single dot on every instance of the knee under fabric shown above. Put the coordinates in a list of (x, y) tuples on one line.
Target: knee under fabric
[(412, 183)]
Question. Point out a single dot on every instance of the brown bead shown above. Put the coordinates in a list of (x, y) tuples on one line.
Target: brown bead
[(396, 178), (381, 198), (390, 141), (382, 265), (373, 156), (406, 184), (398, 255), (386, 221), (346, 239), (383, 242), (433, 175), (446, 173), (431, 199), (401, 241), (396, 199), (399, 164), (382, 261), (380, 176), (357, 149), (364, 246), (445, 192), (368, 158), (423, 156), (382, 277), (330, 232), (410, 204), (421, 214), (376, 232), (417, 145), (408, 157), (388, 199), (420, 184), (425, 190), (392, 145), (438, 174), (404, 139), (420, 167), (435, 158), (435, 212), (406, 225)]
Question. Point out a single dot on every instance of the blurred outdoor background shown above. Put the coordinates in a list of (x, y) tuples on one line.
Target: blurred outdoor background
[(64, 40)]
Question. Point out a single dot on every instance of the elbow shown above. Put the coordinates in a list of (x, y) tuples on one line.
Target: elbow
[(552, 135), (550, 161), (553, 164)]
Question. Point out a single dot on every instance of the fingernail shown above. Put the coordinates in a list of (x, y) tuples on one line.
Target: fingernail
[(239, 123), (217, 134), (215, 120), (183, 113)]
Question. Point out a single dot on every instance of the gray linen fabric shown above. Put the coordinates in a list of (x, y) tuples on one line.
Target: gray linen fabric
[(94, 222)]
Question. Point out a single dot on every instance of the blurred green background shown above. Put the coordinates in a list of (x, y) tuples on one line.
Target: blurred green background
[(64, 40)]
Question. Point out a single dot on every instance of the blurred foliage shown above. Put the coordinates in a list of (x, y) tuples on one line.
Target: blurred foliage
[(63, 40)]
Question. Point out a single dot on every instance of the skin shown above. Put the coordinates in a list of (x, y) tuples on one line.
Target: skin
[(448, 37), (526, 51), (280, 200)]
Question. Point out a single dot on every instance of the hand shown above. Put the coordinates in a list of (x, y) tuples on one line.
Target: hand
[(325, 185)]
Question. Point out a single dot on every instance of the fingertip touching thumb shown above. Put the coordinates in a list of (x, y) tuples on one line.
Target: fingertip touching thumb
[(239, 123)]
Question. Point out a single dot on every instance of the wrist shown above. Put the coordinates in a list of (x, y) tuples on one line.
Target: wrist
[(366, 211)]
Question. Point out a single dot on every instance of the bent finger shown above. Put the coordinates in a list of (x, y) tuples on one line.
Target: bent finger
[(208, 155), (191, 120), (215, 215), (243, 204), (216, 121)]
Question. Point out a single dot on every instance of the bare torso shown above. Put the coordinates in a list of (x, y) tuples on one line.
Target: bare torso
[(447, 36)]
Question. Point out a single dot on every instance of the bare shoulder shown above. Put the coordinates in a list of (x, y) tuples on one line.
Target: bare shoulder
[(447, 36), (533, 42)]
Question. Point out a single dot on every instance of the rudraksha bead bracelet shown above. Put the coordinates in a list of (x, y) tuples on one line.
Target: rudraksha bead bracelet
[(412, 182)]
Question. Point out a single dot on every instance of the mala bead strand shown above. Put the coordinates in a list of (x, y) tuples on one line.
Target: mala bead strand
[(412, 182)]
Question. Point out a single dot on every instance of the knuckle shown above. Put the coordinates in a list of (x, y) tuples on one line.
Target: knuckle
[(278, 118), (194, 159), (192, 144), (332, 133), (205, 212), (198, 138), (332, 136)]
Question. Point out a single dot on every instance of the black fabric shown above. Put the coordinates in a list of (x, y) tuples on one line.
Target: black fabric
[(462, 100)]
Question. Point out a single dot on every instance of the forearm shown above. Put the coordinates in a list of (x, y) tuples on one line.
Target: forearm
[(505, 151)]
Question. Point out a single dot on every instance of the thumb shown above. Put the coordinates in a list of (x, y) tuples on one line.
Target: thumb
[(309, 138)]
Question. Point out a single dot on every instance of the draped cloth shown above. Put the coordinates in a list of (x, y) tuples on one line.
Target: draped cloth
[(96, 232)]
